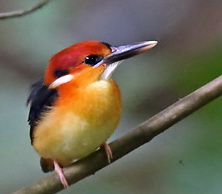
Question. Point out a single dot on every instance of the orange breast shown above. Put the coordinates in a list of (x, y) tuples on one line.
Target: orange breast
[(84, 117)]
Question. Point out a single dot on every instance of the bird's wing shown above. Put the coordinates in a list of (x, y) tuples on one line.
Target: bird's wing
[(40, 100)]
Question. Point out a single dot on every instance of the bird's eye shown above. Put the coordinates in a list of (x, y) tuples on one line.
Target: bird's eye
[(60, 72), (92, 59)]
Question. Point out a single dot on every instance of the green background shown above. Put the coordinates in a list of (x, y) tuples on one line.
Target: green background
[(187, 159)]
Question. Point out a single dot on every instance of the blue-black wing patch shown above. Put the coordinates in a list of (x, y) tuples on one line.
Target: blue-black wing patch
[(40, 100)]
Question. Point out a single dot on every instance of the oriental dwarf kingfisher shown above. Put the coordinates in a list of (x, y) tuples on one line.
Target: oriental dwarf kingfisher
[(77, 106)]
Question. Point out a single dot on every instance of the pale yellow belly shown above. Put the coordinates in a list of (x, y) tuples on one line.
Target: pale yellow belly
[(69, 136)]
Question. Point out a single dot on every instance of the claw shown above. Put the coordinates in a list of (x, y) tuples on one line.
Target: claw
[(108, 151), (61, 175)]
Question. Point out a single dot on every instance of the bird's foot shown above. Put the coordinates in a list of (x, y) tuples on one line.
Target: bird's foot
[(108, 151), (60, 173)]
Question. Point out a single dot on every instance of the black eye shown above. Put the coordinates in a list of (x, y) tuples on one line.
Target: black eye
[(92, 59), (60, 72)]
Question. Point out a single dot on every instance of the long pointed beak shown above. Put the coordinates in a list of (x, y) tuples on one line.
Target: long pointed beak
[(120, 53), (112, 60), (123, 52)]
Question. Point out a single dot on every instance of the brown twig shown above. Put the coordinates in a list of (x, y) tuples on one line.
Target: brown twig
[(132, 140), (19, 13)]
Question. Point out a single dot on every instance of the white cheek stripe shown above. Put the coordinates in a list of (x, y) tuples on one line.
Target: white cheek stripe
[(62, 80)]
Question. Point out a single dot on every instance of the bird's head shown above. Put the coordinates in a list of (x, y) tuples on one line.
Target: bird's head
[(72, 61)]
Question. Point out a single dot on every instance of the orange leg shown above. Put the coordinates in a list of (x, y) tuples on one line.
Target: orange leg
[(61, 175), (108, 151)]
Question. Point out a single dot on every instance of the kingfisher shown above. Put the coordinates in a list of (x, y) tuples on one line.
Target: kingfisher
[(76, 107)]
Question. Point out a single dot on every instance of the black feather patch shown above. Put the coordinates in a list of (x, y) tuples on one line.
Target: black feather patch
[(60, 72), (40, 100)]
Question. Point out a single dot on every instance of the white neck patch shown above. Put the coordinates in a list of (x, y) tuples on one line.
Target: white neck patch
[(107, 74), (62, 80)]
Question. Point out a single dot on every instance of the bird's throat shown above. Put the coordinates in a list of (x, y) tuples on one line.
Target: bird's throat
[(107, 74)]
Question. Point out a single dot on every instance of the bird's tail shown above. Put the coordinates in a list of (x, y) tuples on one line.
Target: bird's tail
[(46, 164)]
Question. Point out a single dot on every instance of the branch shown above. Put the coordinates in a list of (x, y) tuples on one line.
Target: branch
[(19, 13), (132, 140)]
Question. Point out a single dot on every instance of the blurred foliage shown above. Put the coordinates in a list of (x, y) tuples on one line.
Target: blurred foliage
[(185, 159)]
